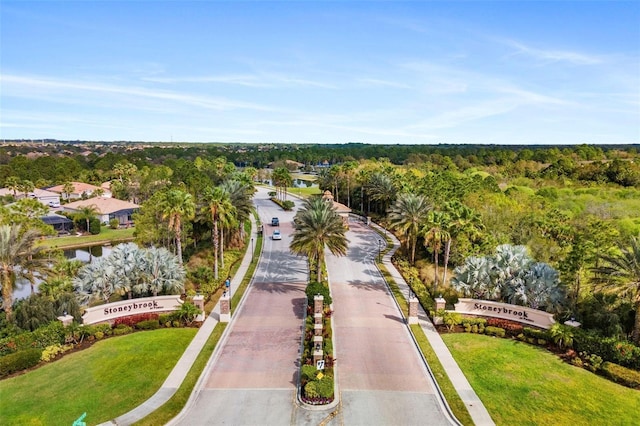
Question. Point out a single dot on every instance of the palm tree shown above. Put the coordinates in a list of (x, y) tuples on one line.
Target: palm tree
[(462, 220), (435, 233), (473, 278), (67, 189), (620, 274), (317, 226), (408, 215), (539, 288), (19, 258), (87, 213), (98, 279), (281, 180), (13, 183), (382, 189), (26, 186), (176, 206), (162, 271), (128, 260), (219, 205)]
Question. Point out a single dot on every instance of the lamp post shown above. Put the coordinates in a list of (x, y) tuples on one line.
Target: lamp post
[(252, 251), (379, 250)]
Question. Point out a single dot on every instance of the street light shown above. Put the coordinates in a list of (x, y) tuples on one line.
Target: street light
[(379, 250), (252, 251)]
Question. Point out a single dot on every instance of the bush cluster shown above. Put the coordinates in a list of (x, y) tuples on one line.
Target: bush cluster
[(622, 375), (610, 349), (19, 361)]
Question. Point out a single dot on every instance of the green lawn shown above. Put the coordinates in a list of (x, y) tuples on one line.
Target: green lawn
[(106, 235), (524, 385), (105, 381)]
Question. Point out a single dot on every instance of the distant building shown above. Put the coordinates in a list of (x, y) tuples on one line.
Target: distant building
[(107, 209), (80, 190), (48, 198), (60, 223), (342, 210)]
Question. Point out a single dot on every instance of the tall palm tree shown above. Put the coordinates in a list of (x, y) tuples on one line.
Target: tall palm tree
[(219, 205), (317, 226), (408, 216), (435, 233), (67, 190), (177, 205), (19, 258), (382, 189), (462, 220), (619, 273), (13, 183)]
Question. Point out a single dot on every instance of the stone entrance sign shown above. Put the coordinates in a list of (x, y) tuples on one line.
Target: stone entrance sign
[(517, 313), (124, 308)]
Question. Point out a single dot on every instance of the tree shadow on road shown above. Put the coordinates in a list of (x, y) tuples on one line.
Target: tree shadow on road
[(366, 285)]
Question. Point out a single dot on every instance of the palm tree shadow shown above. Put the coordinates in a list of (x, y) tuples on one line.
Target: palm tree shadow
[(366, 285)]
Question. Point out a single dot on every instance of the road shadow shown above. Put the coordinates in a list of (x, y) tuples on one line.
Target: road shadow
[(279, 287)]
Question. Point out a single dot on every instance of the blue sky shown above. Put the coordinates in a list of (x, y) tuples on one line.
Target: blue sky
[(420, 72)]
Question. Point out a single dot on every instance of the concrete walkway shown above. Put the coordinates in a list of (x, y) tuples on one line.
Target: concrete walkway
[(477, 410), (179, 372)]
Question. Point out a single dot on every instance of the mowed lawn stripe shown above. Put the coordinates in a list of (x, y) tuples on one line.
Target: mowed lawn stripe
[(105, 380), (526, 385)]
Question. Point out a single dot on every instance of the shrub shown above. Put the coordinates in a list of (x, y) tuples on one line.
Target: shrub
[(592, 362), (114, 223), (287, 205), (99, 335), (512, 327), (311, 390), (494, 331), (622, 375), (176, 324), (324, 387), (122, 329), (314, 288), (19, 361), (327, 346), (609, 349), (561, 335), (51, 352), (132, 320), (535, 333), (308, 372), (148, 325)]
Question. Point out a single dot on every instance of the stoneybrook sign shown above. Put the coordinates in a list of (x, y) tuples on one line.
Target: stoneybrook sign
[(125, 308), (517, 313)]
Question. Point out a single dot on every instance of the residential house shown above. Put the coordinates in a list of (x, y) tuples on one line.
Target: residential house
[(80, 190), (106, 208)]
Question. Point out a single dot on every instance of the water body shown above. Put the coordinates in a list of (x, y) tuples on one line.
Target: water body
[(85, 254)]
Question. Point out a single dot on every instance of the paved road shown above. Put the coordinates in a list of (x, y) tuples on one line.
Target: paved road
[(253, 378), (382, 378)]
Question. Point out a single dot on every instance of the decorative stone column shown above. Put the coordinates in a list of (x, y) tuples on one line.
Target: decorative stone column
[(66, 320), (318, 304), (198, 301), (413, 309), (440, 305), (225, 308), (318, 354)]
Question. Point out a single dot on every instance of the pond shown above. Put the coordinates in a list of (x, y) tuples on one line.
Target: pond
[(85, 254)]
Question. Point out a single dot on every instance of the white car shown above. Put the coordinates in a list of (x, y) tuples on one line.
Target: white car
[(54, 204), (276, 235)]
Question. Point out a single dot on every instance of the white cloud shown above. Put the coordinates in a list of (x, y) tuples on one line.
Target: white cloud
[(551, 55)]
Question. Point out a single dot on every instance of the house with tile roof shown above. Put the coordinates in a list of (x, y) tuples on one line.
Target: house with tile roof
[(48, 198), (342, 210), (107, 208), (80, 190)]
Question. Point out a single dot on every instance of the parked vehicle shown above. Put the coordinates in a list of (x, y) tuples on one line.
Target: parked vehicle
[(275, 221), (276, 235)]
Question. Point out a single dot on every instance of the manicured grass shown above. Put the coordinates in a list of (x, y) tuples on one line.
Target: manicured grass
[(106, 380), (524, 385), (175, 404), (106, 235)]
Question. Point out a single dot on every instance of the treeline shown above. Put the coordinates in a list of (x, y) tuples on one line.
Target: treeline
[(59, 162)]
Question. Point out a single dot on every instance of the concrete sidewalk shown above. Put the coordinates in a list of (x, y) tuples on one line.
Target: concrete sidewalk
[(179, 372), (476, 408)]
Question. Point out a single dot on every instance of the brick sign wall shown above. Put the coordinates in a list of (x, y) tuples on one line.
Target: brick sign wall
[(125, 308), (517, 313)]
